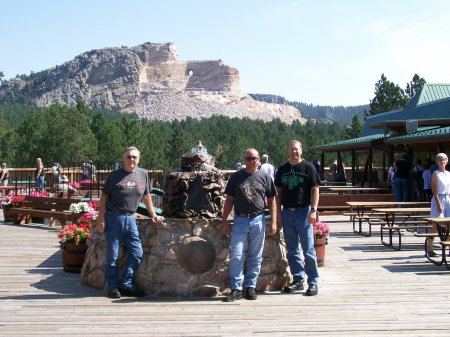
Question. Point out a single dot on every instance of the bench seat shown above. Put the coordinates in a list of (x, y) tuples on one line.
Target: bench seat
[(398, 229), (45, 207)]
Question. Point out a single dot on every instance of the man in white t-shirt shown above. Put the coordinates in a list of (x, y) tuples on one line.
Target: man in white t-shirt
[(266, 167)]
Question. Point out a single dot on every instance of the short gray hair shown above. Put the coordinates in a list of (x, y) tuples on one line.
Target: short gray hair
[(132, 148), (441, 156), (296, 142)]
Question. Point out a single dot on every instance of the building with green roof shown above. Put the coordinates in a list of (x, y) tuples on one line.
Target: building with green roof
[(421, 129)]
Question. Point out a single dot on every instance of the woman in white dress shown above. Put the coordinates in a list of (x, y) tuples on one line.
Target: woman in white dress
[(440, 187)]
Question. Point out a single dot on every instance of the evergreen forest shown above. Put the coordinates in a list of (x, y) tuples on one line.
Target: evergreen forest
[(71, 135)]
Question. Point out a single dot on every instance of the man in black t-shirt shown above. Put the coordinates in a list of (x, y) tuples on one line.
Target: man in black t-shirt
[(297, 184), (245, 191), (402, 168)]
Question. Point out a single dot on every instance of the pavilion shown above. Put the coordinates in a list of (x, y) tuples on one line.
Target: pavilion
[(421, 129)]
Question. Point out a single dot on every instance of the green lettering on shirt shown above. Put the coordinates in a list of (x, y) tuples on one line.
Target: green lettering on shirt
[(292, 181)]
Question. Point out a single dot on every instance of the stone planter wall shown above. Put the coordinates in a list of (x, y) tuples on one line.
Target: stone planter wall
[(187, 258)]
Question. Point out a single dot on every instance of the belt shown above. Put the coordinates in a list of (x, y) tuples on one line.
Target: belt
[(120, 211), (294, 208), (249, 215)]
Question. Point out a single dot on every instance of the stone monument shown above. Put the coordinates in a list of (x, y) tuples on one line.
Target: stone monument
[(187, 255)]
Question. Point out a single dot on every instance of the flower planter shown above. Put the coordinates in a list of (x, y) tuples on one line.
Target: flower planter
[(73, 256), (319, 245), (14, 218), (7, 216)]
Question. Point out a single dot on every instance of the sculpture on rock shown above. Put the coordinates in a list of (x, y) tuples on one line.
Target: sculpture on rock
[(196, 191)]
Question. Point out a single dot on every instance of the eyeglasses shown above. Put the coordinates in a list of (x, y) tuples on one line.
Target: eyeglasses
[(132, 157), (250, 158)]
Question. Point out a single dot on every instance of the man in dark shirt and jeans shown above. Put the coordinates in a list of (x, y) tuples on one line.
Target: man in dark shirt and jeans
[(402, 169), (297, 184), (121, 194), (246, 190)]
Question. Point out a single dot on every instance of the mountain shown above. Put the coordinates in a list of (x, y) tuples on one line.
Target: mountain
[(146, 80), (318, 112)]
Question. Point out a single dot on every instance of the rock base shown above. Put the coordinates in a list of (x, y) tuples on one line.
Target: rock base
[(186, 258)]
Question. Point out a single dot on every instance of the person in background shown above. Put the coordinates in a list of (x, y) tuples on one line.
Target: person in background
[(316, 164), (426, 176), (391, 173), (84, 171), (418, 180), (332, 171), (40, 175), (238, 166), (56, 171), (121, 194), (440, 202), (297, 183), (245, 191), (91, 170), (4, 175), (402, 169), (267, 167)]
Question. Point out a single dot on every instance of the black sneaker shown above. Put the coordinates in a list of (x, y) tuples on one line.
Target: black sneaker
[(312, 290), (432, 254), (233, 296), (113, 293), (251, 294), (293, 287), (131, 292)]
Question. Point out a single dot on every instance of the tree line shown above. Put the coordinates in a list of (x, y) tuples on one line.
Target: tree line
[(71, 135)]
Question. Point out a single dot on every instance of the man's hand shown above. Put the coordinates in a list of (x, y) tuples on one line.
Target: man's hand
[(273, 228), (225, 228), (157, 218), (312, 216), (100, 225)]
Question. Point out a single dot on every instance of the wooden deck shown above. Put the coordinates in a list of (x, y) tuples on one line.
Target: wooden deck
[(366, 289)]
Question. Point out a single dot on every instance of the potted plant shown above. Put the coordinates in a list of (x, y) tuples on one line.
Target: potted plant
[(321, 232), (81, 207), (73, 238), (10, 201)]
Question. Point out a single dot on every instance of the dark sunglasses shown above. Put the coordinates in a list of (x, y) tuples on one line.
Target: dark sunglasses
[(131, 157), (250, 158)]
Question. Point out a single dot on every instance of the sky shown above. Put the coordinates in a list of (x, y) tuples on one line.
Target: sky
[(321, 52)]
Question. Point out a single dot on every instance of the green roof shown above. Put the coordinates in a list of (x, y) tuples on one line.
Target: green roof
[(376, 119), (429, 134), (348, 143), (432, 102), (431, 106), (431, 93)]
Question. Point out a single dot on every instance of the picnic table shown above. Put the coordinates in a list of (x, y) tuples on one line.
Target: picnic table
[(364, 211), (355, 189), (401, 218)]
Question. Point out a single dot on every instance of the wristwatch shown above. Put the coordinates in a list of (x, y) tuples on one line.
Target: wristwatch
[(314, 209)]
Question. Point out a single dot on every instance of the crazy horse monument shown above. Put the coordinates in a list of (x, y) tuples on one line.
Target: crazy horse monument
[(149, 81), (187, 255)]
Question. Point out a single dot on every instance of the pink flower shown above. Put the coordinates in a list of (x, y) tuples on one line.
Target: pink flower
[(321, 230)]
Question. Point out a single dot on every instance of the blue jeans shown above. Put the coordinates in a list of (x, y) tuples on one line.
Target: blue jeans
[(297, 231), (246, 234), (121, 229), (401, 189), (40, 183)]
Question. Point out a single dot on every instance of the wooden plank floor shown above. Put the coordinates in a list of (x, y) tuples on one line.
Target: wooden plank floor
[(366, 289)]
